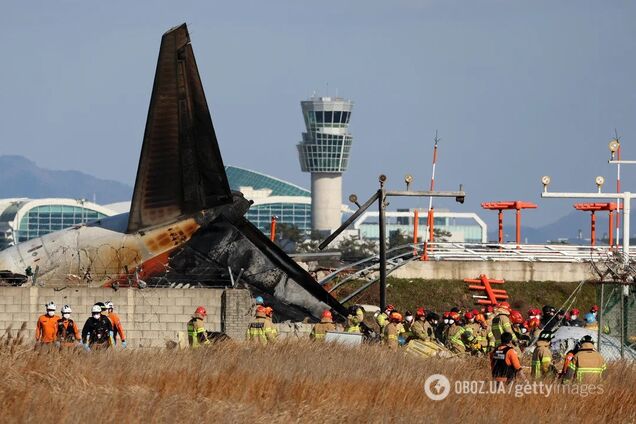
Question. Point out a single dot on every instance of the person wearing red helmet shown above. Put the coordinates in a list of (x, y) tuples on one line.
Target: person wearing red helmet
[(197, 336), (326, 324), (455, 334), (474, 338), (393, 330), (574, 320), (261, 330), (501, 323), (421, 328)]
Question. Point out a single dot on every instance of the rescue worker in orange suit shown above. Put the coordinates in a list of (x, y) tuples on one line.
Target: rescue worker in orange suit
[(588, 365), (118, 329), (326, 324), (421, 328), (261, 330), (97, 331), (504, 361), (542, 364), (46, 327), (68, 334), (197, 336), (455, 335), (393, 330), (501, 323)]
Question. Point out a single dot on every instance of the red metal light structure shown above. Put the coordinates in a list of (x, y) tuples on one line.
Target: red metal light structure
[(272, 228), (483, 283), (517, 205), (595, 207)]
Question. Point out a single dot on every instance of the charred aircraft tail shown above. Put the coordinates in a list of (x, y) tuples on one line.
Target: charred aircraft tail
[(181, 173)]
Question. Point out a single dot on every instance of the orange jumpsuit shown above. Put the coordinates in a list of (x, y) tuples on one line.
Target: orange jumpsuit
[(117, 327), (46, 329)]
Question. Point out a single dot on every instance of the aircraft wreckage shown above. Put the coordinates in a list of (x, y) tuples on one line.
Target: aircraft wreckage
[(185, 224)]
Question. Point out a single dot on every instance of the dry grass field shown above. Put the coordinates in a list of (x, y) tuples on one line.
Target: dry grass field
[(289, 382)]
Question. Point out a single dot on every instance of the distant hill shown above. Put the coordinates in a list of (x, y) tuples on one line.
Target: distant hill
[(21, 177)]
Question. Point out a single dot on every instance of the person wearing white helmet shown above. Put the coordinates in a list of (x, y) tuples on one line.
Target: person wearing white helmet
[(118, 329), (46, 327), (68, 334), (97, 331)]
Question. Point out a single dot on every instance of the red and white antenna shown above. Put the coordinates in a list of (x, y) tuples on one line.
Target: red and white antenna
[(430, 199)]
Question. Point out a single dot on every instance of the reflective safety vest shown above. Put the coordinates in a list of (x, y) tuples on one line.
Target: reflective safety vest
[(500, 326), (196, 334), (261, 331), (588, 366), (456, 338), (541, 359)]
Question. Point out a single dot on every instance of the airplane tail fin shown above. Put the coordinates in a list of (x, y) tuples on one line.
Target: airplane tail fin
[(180, 169)]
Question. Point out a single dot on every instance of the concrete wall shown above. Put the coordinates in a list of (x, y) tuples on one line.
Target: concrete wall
[(512, 271), (150, 317)]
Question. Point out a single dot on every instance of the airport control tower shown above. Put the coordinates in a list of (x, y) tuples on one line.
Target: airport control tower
[(324, 151)]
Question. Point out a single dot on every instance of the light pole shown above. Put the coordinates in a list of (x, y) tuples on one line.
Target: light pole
[(380, 196), (626, 197)]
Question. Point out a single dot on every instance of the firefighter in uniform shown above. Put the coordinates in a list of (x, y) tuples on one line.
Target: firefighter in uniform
[(542, 364), (197, 336), (383, 318), (46, 328), (421, 328), (474, 336), (261, 330), (588, 365), (354, 319), (501, 323), (455, 335), (504, 361), (68, 334), (393, 330), (118, 329), (326, 324)]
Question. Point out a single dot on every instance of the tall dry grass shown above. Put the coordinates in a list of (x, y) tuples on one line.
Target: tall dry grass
[(289, 382)]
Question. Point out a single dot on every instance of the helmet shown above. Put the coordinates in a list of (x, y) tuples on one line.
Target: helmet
[(389, 308), (259, 300), (454, 315), (469, 315), (546, 335), (594, 308), (66, 309), (504, 305), (327, 314), (101, 305), (586, 339), (260, 311), (547, 309), (51, 306), (489, 309), (96, 309), (475, 312), (109, 305), (575, 312), (396, 317), (455, 309), (590, 318), (432, 316), (201, 311), (420, 312), (269, 311), (516, 317)]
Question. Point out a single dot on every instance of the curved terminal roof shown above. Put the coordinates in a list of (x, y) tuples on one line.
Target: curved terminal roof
[(241, 177)]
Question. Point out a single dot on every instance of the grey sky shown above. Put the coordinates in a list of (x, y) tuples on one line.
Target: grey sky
[(517, 89)]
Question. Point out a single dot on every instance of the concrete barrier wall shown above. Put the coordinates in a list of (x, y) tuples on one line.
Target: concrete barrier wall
[(150, 317), (512, 271)]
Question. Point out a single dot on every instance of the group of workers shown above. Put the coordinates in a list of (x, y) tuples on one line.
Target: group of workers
[(499, 332), (100, 331)]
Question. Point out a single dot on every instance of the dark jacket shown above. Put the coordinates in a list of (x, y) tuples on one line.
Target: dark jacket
[(97, 330)]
